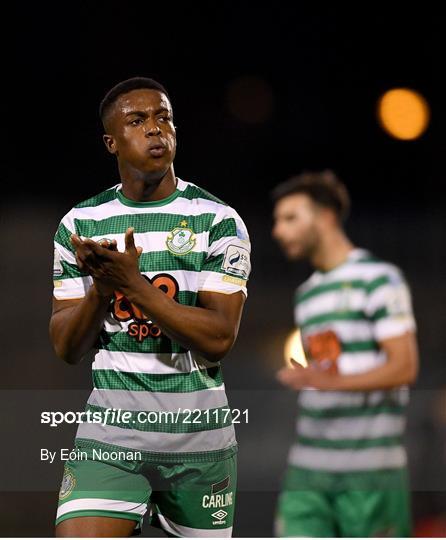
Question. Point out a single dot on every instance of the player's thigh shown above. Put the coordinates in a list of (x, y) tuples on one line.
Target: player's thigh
[(379, 513), (196, 499), (304, 513), (95, 527), (95, 489)]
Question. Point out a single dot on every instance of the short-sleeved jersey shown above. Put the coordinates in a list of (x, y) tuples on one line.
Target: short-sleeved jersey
[(192, 242), (343, 315)]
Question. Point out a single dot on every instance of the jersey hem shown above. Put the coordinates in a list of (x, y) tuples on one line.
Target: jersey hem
[(162, 457)]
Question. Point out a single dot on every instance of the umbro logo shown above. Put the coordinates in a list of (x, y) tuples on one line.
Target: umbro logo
[(219, 516)]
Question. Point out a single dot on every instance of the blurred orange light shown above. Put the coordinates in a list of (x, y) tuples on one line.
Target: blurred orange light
[(294, 349), (403, 113)]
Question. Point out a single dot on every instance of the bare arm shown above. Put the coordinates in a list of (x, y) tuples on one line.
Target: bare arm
[(401, 368), (210, 328), (76, 324)]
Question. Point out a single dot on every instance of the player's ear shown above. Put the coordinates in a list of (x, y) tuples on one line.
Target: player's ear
[(110, 143), (330, 217)]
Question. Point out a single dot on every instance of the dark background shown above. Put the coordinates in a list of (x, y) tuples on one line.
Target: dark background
[(258, 94)]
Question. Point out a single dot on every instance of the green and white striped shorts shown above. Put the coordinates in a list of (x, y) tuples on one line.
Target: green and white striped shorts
[(187, 499)]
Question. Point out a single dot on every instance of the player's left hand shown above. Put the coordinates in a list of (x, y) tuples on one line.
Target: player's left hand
[(299, 377), (118, 269)]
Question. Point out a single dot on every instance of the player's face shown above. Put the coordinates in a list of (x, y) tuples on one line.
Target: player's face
[(142, 134), (295, 225)]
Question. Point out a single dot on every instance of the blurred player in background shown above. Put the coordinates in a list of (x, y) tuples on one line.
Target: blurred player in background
[(347, 468), (161, 317)]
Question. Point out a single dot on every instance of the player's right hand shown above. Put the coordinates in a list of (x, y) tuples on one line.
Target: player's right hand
[(87, 261)]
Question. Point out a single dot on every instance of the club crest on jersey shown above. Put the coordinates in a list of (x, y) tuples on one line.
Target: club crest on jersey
[(345, 297), (68, 483), (181, 240)]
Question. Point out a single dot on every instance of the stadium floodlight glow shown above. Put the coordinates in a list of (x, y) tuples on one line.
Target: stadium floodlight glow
[(403, 113), (294, 349)]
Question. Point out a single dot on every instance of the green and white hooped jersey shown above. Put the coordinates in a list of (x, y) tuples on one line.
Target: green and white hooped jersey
[(192, 242), (343, 314)]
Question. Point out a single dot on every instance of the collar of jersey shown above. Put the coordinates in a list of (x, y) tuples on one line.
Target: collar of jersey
[(140, 204), (353, 255)]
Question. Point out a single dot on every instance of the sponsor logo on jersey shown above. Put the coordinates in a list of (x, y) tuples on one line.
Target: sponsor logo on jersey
[(324, 348), (68, 483), (236, 261), (181, 240), (141, 326)]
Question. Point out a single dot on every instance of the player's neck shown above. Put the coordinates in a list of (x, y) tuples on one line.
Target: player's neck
[(332, 251), (141, 187)]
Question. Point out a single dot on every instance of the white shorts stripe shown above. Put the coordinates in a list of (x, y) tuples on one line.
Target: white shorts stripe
[(110, 505), (189, 532)]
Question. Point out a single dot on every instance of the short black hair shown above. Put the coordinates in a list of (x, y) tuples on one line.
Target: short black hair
[(135, 83), (323, 187)]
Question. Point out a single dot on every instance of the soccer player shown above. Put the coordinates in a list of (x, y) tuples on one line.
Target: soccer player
[(152, 274), (347, 468)]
